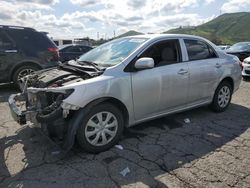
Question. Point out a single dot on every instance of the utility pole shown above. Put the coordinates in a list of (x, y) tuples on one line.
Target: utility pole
[(114, 33)]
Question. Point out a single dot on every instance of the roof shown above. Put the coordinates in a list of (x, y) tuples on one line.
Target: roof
[(159, 36), (66, 45), (15, 27)]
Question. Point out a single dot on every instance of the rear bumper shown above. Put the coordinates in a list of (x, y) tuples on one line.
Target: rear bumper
[(18, 115)]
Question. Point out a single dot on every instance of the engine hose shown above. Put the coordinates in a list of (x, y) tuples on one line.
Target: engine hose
[(54, 115)]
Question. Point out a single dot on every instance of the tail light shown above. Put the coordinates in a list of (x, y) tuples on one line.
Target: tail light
[(241, 65), (55, 52)]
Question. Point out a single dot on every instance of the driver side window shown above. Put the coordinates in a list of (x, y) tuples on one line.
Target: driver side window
[(164, 52)]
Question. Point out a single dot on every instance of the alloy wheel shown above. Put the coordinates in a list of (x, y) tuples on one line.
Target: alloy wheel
[(24, 72), (224, 96)]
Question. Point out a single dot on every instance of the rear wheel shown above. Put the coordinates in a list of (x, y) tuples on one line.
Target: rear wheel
[(100, 128), (222, 97), (21, 72)]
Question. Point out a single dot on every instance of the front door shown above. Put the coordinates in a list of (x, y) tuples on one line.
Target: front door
[(164, 87)]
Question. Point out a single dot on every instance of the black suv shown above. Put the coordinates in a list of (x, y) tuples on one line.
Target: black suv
[(72, 51), (24, 50)]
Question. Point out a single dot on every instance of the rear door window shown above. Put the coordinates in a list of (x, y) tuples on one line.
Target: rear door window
[(5, 42), (85, 48), (75, 49), (198, 50), (30, 39)]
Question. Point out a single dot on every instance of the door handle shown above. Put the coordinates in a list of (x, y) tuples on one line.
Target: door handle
[(182, 71), (217, 65)]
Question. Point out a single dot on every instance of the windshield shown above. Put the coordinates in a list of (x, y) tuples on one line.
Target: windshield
[(112, 53), (241, 47)]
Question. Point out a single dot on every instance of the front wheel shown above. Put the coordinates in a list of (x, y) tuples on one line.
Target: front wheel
[(222, 97), (100, 128)]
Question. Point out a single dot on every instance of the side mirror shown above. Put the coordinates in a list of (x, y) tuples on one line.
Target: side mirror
[(144, 63)]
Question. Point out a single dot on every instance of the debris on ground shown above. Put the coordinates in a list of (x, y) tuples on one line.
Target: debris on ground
[(180, 162), (55, 152), (125, 171), (187, 120), (119, 147)]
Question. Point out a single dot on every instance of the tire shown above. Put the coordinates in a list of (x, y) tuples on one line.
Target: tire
[(222, 97), (245, 78), (21, 70), (95, 127)]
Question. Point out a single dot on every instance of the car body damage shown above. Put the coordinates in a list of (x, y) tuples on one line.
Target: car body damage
[(43, 94), (122, 83)]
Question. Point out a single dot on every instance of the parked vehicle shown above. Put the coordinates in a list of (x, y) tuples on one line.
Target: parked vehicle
[(246, 68), (224, 47), (125, 82), (72, 51), (24, 50), (241, 50)]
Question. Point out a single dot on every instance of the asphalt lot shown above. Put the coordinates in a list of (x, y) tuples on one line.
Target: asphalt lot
[(213, 150)]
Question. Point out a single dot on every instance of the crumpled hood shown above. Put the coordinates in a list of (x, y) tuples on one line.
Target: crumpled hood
[(60, 76)]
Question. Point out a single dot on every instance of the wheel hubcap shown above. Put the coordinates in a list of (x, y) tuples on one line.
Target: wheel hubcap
[(23, 73), (224, 96), (101, 128)]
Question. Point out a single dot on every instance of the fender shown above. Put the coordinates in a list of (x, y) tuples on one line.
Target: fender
[(74, 123)]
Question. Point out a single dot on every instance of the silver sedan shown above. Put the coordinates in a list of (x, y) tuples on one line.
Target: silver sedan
[(125, 82)]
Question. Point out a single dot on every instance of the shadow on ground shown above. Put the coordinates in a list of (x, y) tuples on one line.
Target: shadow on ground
[(151, 151), (6, 90)]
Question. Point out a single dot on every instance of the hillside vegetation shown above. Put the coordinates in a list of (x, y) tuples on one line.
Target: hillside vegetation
[(225, 29), (129, 33)]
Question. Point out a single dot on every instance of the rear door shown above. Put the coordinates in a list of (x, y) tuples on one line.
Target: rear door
[(8, 56), (204, 69), (164, 87)]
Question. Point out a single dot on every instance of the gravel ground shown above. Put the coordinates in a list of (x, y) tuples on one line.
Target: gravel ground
[(213, 150)]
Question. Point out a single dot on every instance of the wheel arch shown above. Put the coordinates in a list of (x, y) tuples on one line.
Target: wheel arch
[(229, 80), (76, 118), (114, 101), (24, 63)]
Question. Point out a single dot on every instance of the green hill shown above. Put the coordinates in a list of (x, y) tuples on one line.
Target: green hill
[(225, 29), (129, 33)]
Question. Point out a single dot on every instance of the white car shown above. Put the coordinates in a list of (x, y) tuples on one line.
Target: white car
[(224, 47), (125, 82), (246, 67)]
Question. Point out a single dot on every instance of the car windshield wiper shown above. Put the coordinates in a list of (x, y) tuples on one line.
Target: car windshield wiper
[(95, 65)]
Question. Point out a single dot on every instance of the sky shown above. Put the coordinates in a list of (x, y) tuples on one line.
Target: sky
[(68, 19)]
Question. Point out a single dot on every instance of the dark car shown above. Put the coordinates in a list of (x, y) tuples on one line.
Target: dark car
[(72, 51), (24, 50), (241, 50)]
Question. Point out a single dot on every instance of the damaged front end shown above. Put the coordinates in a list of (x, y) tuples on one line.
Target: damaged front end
[(42, 101)]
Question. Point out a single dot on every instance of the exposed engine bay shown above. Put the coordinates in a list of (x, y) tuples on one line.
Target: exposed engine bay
[(44, 106), (63, 75)]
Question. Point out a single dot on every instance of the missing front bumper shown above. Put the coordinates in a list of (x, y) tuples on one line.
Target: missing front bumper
[(18, 114)]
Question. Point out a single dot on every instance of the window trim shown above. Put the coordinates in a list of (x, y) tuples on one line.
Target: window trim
[(130, 67), (206, 43)]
